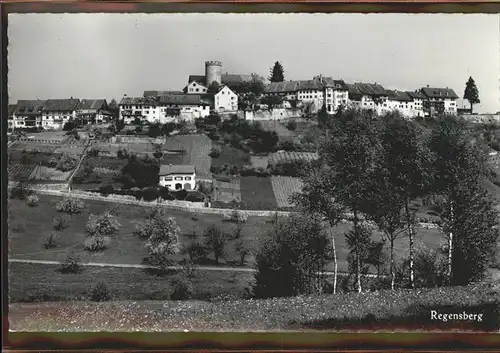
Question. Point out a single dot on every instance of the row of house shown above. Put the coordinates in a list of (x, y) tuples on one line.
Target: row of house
[(54, 113), (331, 94)]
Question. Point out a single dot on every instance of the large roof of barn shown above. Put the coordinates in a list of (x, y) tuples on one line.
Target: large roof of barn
[(315, 84), (160, 93), (137, 101), (439, 93), (61, 104), (92, 104), (416, 95), (27, 107), (167, 169)]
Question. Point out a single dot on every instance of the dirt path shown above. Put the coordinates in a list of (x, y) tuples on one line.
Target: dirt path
[(201, 268)]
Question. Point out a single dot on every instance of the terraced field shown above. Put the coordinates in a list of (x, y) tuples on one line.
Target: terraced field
[(227, 191), (197, 149), (18, 171), (284, 187)]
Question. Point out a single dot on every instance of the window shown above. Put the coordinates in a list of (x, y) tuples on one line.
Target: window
[(197, 90), (168, 178), (188, 178), (178, 178)]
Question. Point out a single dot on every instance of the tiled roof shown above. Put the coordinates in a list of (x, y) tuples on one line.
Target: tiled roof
[(309, 85), (167, 169), (399, 96), (439, 93), (29, 107), (329, 82), (197, 78), (371, 89), (235, 78), (137, 101), (183, 99), (286, 86), (12, 109), (416, 95), (61, 104), (160, 93), (89, 104)]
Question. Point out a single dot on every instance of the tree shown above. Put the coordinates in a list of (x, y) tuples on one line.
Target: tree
[(471, 93), (163, 241), (113, 106), (272, 101), (277, 73), (457, 165), (70, 206), (317, 198), (99, 226), (154, 130), (351, 155), (359, 242), (291, 258), (141, 172), (215, 240), (402, 174)]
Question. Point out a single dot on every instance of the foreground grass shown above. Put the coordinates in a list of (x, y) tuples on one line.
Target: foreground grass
[(384, 310)]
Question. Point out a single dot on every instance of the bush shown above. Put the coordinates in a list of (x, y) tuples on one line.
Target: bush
[(50, 241), (106, 190), (291, 125), (32, 200), (20, 191), (183, 288), (150, 194), (196, 251), (59, 223), (71, 264), (214, 152), (100, 293), (70, 206), (180, 195), (235, 216), (95, 243)]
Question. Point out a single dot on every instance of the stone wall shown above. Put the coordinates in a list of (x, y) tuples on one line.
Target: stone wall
[(275, 114)]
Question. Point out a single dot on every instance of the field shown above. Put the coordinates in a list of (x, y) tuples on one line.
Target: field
[(17, 171), (231, 156), (29, 227), (284, 187), (259, 162), (197, 149), (42, 173), (227, 191), (257, 193), (284, 134), (30, 146), (19, 157), (286, 157)]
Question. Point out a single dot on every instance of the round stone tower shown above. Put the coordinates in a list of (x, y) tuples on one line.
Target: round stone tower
[(213, 72)]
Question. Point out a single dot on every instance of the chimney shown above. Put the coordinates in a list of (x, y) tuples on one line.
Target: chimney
[(427, 86)]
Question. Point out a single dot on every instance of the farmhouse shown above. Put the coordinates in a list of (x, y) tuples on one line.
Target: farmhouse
[(401, 102), (439, 100), (144, 108), (177, 177), (160, 93), (370, 96), (28, 114), (225, 100), (186, 106), (57, 112), (93, 111)]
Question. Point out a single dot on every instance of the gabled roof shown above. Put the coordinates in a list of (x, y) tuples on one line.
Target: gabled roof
[(138, 101), (197, 78), (286, 86), (235, 78), (399, 96), (309, 85), (90, 104), (168, 169), (12, 109), (183, 99), (416, 95), (439, 93), (61, 104), (329, 82), (371, 89), (222, 87), (160, 93), (29, 107)]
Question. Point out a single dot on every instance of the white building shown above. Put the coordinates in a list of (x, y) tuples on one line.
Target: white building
[(57, 112), (336, 95), (439, 101), (195, 88), (370, 96), (177, 177), (93, 111), (144, 108), (418, 103), (225, 100), (183, 106), (27, 114)]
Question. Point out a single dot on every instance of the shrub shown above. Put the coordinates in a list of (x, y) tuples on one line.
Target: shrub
[(70, 206), (180, 195), (95, 243), (183, 288), (150, 194), (106, 190), (71, 264), (20, 191), (165, 193), (100, 293), (59, 223), (32, 200), (50, 241), (196, 251), (246, 158), (291, 125), (104, 224), (235, 216), (214, 152)]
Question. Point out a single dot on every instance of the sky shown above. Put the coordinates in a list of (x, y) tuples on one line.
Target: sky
[(108, 55)]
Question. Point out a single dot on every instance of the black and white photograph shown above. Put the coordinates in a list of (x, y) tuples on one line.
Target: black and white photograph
[(253, 172)]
